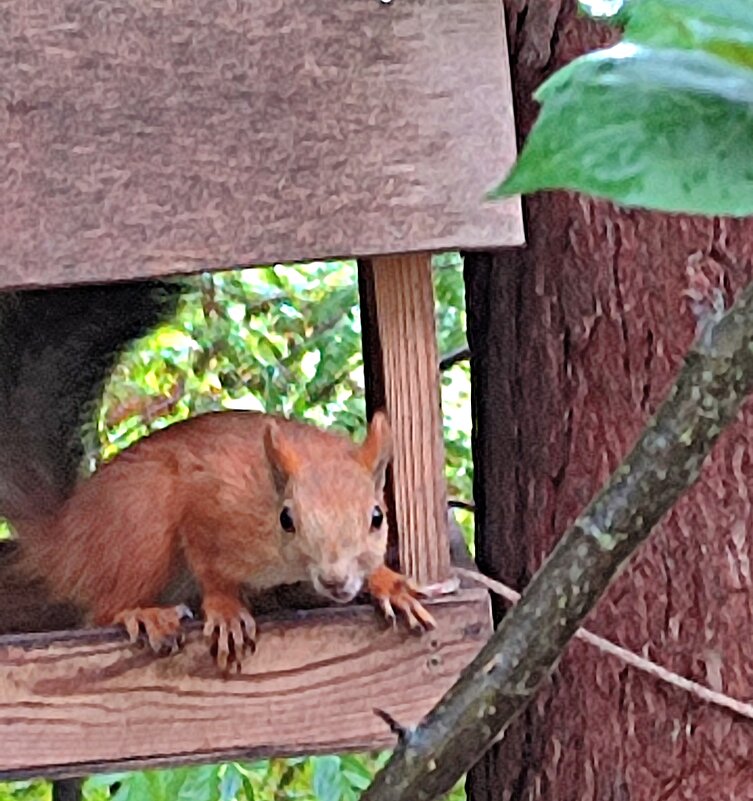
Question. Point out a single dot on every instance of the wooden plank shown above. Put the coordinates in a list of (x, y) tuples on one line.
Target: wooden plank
[(374, 389), (403, 373), (145, 139), (82, 702)]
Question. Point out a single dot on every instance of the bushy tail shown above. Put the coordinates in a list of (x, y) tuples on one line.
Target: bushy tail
[(56, 349)]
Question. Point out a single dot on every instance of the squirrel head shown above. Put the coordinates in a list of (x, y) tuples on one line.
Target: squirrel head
[(332, 515)]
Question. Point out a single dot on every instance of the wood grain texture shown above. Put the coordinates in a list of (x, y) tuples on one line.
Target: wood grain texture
[(143, 139), (374, 389), (403, 303), (79, 702)]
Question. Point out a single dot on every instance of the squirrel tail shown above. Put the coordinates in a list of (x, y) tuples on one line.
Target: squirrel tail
[(57, 347)]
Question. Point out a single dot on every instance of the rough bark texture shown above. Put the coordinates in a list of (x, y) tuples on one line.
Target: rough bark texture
[(574, 343), (506, 675)]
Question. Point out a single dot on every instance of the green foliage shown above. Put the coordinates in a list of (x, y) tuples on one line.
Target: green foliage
[(280, 339), (721, 27), (325, 778), (25, 791), (663, 120)]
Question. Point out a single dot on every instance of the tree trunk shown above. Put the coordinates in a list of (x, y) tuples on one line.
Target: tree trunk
[(575, 341)]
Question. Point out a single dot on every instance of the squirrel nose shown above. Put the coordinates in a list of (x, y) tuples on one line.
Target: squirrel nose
[(333, 585), (338, 588)]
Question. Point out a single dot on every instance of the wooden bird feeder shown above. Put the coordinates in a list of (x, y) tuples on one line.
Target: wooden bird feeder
[(148, 139)]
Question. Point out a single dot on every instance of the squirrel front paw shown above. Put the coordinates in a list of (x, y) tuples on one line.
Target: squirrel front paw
[(161, 626), (393, 591), (230, 629)]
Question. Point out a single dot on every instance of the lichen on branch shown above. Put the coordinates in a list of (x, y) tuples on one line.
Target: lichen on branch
[(667, 459)]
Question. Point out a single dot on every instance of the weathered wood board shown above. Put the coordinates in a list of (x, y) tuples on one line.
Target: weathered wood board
[(397, 299), (80, 702), (149, 138)]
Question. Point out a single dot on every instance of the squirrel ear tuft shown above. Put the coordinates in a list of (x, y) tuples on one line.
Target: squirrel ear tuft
[(375, 453), (281, 455)]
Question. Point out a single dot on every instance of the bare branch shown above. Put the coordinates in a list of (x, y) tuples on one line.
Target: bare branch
[(502, 680), (400, 731), (453, 357), (695, 689), (458, 503)]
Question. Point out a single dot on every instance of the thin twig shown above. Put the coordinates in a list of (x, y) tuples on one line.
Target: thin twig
[(457, 503), (630, 658), (453, 357), (505, 675), (402, 732)]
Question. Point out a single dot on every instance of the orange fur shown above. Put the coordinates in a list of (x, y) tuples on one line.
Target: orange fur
[(204, 498)]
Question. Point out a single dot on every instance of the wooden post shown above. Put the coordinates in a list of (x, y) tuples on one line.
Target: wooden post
[(402, 374)]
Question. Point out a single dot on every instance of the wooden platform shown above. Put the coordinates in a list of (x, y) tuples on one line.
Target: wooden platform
[(150, 139), (74, 703), (145, 139)]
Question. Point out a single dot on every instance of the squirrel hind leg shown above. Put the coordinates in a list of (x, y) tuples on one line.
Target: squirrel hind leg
[(160, 626)]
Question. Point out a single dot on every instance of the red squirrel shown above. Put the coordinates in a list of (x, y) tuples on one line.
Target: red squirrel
[(236, 499)]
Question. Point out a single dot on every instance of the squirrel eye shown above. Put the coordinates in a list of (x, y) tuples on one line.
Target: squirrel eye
[(377, 518), (286, 520)]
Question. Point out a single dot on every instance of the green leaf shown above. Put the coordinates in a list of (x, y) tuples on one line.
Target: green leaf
[(25, 791), (179, 784), (248, 789), (197, 784), (356, 772), (231, 781), (105, 780), (327, 781), (137, 787), (458, 792), (722, 27), (665, 129)]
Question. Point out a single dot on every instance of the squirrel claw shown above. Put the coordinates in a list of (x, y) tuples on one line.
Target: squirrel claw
[(393, 592), (388, 611), (231, 631), (418, 619), (160, 626)]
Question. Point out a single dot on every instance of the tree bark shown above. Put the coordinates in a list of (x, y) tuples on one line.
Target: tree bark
[(575, 340), (504, 677)]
